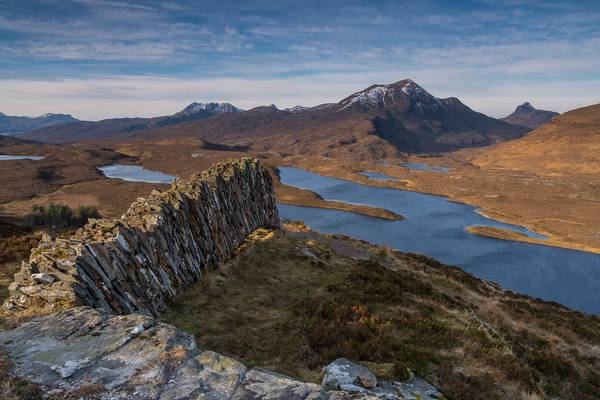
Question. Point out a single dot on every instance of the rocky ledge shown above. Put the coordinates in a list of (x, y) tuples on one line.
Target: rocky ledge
[(88, 353)]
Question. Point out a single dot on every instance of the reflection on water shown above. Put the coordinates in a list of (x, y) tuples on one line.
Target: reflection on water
[(436, 227), (135, 173), (6, 157)]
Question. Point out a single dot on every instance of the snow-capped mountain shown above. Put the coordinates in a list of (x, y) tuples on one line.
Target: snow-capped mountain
[(212, 108), (297, 109), (402, 96)]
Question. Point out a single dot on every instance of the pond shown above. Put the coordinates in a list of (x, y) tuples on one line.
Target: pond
[(135, 173), (6, 157), (436, 227), (425, 167)]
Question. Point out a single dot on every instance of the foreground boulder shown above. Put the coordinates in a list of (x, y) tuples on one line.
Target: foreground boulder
[(342, 374), (82, 352)]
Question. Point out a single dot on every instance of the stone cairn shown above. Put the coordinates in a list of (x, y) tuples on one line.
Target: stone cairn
[(162, 243)]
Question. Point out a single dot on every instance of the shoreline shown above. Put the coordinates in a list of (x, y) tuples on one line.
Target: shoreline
[(509, 235), (410, 185)]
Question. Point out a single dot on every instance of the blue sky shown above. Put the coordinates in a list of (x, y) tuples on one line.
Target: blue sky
[(98, 59)]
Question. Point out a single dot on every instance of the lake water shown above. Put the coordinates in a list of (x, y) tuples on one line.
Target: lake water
[(377, 175), (436, 227), (135, 173), (6, 157), (425, 167)]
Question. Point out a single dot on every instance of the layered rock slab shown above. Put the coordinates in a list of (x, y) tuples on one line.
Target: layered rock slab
[(163, 242), (83, 350)]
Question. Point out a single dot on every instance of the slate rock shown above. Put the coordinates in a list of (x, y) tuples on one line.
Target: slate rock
[(345, 375)]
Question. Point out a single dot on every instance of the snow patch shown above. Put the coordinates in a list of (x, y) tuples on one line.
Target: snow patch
[(216, 108)]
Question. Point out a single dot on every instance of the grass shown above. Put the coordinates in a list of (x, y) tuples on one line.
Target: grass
[(12, 388), (294, 303)]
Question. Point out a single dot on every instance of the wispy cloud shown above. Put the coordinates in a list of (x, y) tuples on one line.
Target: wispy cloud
[(290, 52)]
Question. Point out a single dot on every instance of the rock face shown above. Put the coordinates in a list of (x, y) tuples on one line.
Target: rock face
[(163, 242), (84, 350)]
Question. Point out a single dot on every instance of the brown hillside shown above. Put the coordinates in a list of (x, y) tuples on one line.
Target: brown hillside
[(569, 144)]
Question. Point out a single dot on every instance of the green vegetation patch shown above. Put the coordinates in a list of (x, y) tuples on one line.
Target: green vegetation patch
[(60, 215)]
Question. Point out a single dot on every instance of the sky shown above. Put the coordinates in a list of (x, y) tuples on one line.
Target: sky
[(100, 59)]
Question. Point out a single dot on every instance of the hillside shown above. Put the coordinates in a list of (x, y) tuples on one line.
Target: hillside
[(567, 145), (297, 300), (85, 131), (529, 116)]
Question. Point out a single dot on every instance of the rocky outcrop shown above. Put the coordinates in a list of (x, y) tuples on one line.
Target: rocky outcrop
[(163, 242), (87, 353)]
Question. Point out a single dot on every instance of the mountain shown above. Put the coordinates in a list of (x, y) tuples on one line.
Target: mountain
[(115, 127), (413, 120), (14, 124), (568, 144), (400, 96), (528, 115)]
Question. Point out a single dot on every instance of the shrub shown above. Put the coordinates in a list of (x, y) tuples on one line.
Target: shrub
[(60, 215)]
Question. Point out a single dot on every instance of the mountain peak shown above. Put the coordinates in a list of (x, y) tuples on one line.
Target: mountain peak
[(403, 95), (53, 115), (526, 107), (212, 108), (297, 109)]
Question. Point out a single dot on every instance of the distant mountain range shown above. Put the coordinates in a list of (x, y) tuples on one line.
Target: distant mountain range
[(13, 124), (528, 115), (121, 127), (377, 121)]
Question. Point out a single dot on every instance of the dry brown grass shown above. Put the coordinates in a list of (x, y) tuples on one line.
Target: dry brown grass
[(12, 388), (294, 304)]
